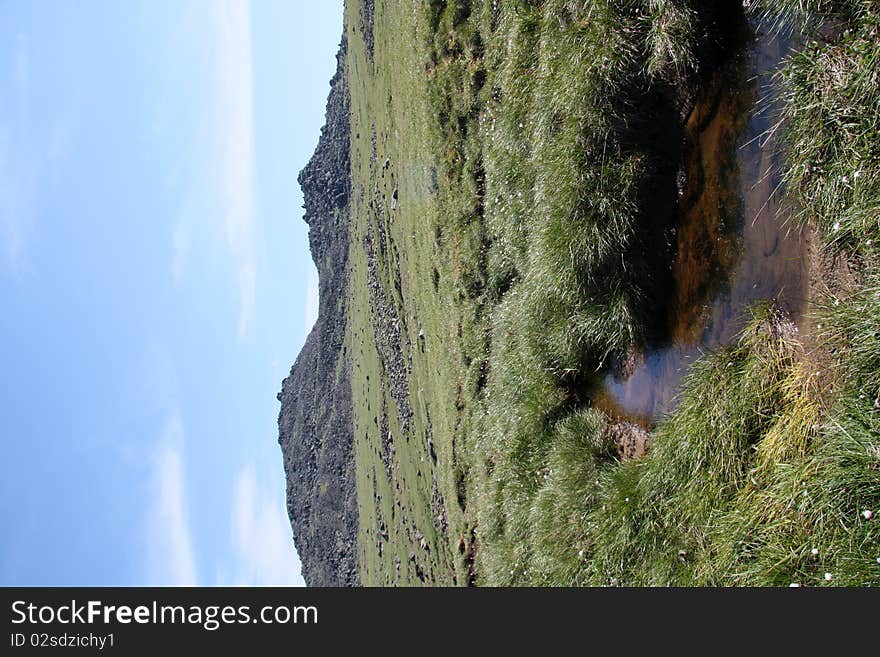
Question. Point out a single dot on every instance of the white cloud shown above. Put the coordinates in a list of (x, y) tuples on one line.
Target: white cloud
[(30, 156), (222, 176), (23, 75), (234, 131), (14, 205), (170, 551), (17, 171), (247, 288), (180, 242), (312, 300), (261, 536)]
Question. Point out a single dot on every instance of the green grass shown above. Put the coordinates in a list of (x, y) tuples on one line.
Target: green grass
[(832, 112), (390, 95), (535, 146)]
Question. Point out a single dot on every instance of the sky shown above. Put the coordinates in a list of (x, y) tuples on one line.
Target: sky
[(156, 283)]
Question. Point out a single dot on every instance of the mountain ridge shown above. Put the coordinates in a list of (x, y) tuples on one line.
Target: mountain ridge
[(314, 423)]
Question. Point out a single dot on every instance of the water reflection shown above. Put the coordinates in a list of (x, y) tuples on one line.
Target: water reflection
[(735, 244)]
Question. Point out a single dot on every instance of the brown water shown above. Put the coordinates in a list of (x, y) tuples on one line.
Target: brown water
[(735, 243)]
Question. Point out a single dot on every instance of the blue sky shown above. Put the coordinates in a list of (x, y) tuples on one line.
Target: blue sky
[(156, 283)]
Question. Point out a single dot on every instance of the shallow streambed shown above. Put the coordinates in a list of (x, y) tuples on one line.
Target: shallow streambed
[(735, 243)]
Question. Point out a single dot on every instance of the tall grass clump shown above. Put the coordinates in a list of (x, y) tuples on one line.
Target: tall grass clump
[(560, 130), (581, 140), (831, 101), (806, 514), (768, 472), (655, 524)]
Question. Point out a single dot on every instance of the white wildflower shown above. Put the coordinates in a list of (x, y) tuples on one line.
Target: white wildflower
[(828, 577)]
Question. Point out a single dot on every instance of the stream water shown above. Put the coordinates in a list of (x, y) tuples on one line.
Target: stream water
[(735, 243)]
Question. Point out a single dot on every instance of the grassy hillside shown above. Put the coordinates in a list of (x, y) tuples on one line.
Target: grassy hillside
[(519, 173), (410, 492)]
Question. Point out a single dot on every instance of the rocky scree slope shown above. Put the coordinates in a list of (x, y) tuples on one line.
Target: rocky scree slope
[(314, 424)]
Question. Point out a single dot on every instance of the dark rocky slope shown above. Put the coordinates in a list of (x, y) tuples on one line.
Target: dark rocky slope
[(314, 425)]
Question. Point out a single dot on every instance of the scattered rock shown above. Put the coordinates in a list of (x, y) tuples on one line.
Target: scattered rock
[(314, 424), (366, 23), (632, 440)]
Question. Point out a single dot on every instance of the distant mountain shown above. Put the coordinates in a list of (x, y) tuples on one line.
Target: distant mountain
[(314, 425)]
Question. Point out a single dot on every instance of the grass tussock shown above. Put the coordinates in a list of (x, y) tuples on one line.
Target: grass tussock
[(831, 103), (580, 140), (559, 125)]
